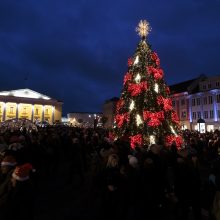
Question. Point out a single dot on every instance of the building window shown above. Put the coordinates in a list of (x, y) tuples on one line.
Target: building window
[(0, 109), (210, 99), (173, 103), (11, 110), (217, 84), (199, 114), (36, 111), (198, 101), (194, 115), (211, 114), (209, 85), (218, 98), (204, 86), (183, 102), (218, 113), (46, 111), (193, 102), (24, 110), (206, 114), (183, 114)]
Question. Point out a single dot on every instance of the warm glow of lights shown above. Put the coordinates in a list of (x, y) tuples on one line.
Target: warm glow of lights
[(136, 60), (152, 139), (131, 107), (24, 93), (156, 88), (143, 28), (138, 78), (138, 120), (173, 130)]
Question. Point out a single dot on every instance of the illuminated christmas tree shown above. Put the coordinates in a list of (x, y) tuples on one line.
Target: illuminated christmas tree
[(144, 112)]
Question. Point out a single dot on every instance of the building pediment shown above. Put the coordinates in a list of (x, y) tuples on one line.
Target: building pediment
[(25, 93)]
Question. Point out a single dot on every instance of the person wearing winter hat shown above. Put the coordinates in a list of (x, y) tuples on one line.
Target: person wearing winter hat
[(21, 173), (8, 163), (21, 198)]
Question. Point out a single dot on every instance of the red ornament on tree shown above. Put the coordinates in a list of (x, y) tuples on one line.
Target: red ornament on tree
[(130, 61), (136, 140), (174, 139), (136, 89), (121, 118), (175, 117), (157, 73), (155, 58), (166, 102), (167, 90), (119, 105), (127, 77), (155, 118)]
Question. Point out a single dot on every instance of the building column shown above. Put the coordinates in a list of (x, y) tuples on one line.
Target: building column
[(17, 105), (4, 112), (215, 108), (43, 113), (53, 109), (32, 113)]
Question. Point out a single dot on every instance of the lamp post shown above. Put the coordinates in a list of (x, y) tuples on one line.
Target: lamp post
[(201, 125)]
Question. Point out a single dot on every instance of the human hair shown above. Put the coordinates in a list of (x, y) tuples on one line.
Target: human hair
[(112, 161)]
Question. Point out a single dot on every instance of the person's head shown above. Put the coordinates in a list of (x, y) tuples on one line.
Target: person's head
[(155, 148), (8, 163), (113, 161), (133, 161), (21, 173)]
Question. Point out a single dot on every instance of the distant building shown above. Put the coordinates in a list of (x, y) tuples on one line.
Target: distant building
[(28, 104), (109, 108), (198, 99), (85, 119)]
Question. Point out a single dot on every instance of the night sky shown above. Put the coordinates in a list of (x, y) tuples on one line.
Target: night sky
[(77, 51)]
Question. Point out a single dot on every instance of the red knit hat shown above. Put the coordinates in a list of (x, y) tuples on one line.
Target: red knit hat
[(21, 173), (8, 161)]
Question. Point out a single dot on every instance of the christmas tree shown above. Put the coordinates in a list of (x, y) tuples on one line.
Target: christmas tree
[(144, 112)]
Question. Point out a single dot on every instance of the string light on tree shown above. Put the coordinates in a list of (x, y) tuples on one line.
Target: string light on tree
[(131, 107), (138, 78), (136, 60), (138, 120), (152, 139), (156, 88), (171, 127)]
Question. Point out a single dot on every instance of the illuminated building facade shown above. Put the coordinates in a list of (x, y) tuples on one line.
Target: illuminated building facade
[(28, 104), (198, 99)]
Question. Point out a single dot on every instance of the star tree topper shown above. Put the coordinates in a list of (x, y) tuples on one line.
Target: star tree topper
[(143, 28)]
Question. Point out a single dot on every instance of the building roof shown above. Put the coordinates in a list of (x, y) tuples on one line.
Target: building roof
[(181, 87), (25, 93)]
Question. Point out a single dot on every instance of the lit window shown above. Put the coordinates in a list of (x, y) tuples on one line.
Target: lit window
[(210, 99), (11, 110), (36, 111), (206, 114), (211, 114)]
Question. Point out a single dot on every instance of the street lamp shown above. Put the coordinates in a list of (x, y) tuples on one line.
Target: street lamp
[(201, 125)]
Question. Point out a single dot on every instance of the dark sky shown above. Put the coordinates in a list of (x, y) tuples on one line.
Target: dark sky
[(77, 51)]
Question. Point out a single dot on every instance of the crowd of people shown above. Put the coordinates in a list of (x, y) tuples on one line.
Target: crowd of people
[(150, 181)]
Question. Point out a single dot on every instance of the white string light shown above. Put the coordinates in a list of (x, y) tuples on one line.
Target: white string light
[(138, 120), (138, 78), (131, 107)]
